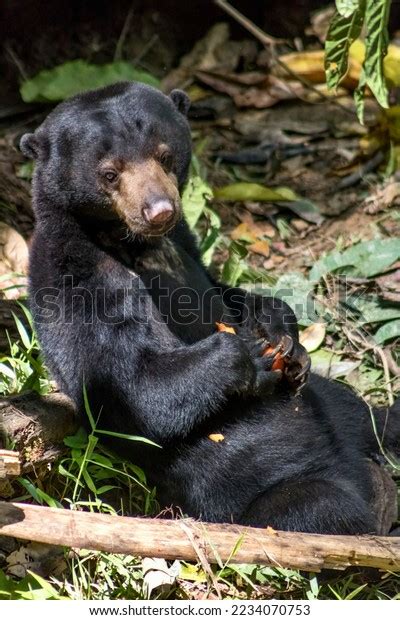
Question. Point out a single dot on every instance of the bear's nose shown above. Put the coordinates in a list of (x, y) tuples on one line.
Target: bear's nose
[(158, 212)]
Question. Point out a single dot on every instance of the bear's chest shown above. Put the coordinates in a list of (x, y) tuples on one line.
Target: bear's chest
[(181, 290)]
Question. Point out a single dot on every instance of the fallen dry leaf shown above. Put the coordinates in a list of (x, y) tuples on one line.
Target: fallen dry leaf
[(260, 247), (382, 198), (313, 336), (157, 574), (310, 65), (13, 261)]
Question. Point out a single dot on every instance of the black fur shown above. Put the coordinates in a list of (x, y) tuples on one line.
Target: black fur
[(295, 462)]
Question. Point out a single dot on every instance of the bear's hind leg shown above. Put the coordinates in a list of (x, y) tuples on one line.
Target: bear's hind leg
[(315, 506)]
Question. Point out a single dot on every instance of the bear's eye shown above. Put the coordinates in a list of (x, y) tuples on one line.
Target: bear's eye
[(165, 159), (110, 175)]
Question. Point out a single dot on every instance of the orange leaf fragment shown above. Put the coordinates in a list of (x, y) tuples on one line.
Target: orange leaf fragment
[(221, 327)]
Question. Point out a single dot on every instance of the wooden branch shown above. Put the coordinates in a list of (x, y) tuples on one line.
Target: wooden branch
[(263, 37), (179, 539), (37, 425), (10, 464)]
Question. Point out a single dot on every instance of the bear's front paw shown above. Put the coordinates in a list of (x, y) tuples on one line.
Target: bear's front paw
[(296, 360)]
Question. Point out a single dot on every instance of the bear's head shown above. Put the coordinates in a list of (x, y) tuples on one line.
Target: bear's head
[(120, 152)]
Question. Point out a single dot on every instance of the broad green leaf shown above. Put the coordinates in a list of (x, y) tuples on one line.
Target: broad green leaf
[(329, 364), (343, 30), (365, 259), (370, 309), (194, 199), (389, 331), (305, 209), (376, 45), (79, 440), (240, 192), (78, 76), (346, 8), (46, 586), (8, 372), (234, 266)]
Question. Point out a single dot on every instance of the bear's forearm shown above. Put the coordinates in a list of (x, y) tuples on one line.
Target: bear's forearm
[(177, 390)]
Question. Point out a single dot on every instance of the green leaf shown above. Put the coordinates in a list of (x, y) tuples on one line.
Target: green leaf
[(329, 364), (77, 76), (297, 291), (376, 45), (343, 31), (212, 238), (346, 8), (194, 199), (234, 266), (388, 332), (87, 409), (370, 309), (241, 192), (77, 441), (127, 437), (26, 341), (305, 209), (8, 372), (365, 259)]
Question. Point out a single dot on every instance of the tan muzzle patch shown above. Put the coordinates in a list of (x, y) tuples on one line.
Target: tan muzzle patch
[(144, 186)]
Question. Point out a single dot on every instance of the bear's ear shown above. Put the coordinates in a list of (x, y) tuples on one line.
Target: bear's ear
[(181, 101), (30, 146)]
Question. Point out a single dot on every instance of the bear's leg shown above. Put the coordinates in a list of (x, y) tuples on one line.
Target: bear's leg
[(317, 506)]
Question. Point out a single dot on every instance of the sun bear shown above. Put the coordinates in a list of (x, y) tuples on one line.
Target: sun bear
[(124, 308)]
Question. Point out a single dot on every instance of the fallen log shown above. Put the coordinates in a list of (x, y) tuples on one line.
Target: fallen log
[(10, 464), (182, 539), (36, 425)]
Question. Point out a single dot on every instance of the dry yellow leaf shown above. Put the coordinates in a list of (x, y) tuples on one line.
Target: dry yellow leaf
[(260, 247), (244, 232), (217, 437), (313, 336)]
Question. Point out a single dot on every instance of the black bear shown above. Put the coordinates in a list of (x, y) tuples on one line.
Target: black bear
[(123, 306)]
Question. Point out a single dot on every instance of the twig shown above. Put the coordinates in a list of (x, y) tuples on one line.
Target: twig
[(16, 61), (145, 49), (263, 37), (386, 372), (123, 35)]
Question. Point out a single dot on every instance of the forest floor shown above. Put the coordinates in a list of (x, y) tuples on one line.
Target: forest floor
[(288, 192)]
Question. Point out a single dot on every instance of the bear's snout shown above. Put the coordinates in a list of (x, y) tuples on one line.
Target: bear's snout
[(158, 212)]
